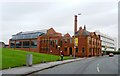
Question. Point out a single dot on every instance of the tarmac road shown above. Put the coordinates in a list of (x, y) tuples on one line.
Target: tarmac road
[(94, 65)]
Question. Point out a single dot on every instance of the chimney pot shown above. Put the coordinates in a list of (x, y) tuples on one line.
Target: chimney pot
[(84, 27), (80, 28)]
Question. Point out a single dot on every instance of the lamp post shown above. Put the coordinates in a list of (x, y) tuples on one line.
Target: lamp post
[(75, 30), (51, 55), (59, 48), (106, 49)]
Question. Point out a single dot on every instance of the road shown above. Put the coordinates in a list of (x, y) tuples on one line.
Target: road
[(94, 65)]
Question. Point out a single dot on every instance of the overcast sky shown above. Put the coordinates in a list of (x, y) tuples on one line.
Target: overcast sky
[(28, 15)]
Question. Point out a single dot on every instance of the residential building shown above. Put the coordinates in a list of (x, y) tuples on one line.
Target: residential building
[(2, 44)]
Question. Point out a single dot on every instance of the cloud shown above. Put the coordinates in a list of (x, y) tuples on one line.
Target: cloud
[(36, 15)]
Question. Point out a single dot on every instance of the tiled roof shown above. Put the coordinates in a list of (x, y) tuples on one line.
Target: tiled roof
[(67, 35)]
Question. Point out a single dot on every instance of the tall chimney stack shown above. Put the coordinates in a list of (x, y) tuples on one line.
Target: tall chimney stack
[(75, 26)]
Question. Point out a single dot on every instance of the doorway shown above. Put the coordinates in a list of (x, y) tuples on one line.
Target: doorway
[(83, 52), (70, 51)]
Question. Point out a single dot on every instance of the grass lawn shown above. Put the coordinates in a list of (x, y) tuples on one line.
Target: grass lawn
[(0, 58), (15, 58)]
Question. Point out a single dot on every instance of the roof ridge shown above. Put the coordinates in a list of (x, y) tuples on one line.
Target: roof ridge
[(34, 31)]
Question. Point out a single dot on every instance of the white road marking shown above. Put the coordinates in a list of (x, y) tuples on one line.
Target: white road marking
[(98, 69)]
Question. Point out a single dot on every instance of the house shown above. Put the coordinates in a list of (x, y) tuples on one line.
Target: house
[(2, 44)]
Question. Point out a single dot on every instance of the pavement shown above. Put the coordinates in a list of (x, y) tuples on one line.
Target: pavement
[(0, 73), (38, 67)]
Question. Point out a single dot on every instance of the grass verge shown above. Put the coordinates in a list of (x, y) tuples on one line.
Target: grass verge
[(15, 58)]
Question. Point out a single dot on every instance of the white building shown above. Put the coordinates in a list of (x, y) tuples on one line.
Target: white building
[(108, 43)]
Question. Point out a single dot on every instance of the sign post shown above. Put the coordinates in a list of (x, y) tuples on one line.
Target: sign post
[(29, 60)]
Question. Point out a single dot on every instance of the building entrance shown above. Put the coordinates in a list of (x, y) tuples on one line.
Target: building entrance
[(83, 52), (70, 51)]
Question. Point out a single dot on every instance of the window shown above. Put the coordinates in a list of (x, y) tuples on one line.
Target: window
[(76, 49), (56, 42), (93, 49), (43, 48), (46, 48), (53, 43), (18, 44), (33, 43), (70, 40), (56, 46), (65, 49), (90, 49), (12, 44), (50, 42), (61, 43), (47, 41), (26, 44), (90, 41), (13, 36), (44, 40), (83, 50), (65, 40)]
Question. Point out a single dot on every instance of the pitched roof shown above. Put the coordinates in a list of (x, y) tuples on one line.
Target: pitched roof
[(85, 33), (67, 35), (51, 31), (82, 32)]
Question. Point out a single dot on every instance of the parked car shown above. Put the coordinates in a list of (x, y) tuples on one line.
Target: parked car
[(111, 54)]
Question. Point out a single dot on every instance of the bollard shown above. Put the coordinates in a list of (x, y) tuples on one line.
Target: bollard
[(29, 60)]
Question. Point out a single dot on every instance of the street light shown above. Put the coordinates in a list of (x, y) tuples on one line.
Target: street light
[(51, 55), (106, 49), (75, 29), (59, 48)]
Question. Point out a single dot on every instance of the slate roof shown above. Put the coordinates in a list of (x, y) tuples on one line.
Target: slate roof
[(85, 33)]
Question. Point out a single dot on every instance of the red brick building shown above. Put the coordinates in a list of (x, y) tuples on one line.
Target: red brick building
[(89, 44), (43, 41), (51, 42)]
